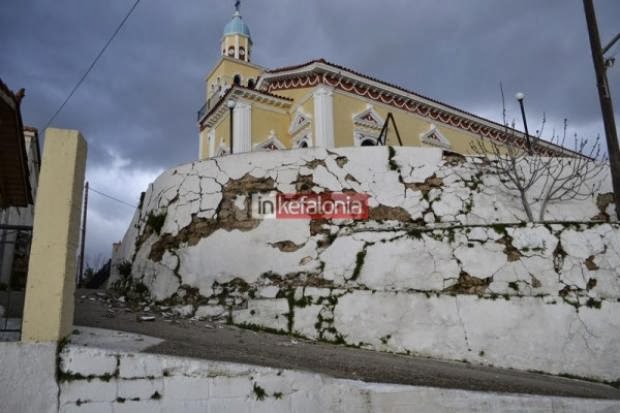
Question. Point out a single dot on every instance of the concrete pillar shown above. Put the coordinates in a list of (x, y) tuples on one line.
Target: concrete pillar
[(48, 308), (242, 127), (323, 117)]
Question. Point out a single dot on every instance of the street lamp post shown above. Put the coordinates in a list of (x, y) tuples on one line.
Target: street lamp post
[(520, 97), (231, 106)]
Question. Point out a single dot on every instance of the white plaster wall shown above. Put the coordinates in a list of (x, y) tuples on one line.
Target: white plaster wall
[(136, 382), (442, 235), (196, 190), (27, 378), (525, 332)]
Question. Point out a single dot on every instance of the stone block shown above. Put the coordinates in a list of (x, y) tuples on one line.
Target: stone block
[(142, 389), (140, 366), (95, 390), (186, 388), (87, 361)]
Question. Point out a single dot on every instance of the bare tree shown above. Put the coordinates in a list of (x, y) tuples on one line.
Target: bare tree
[(541, 178)]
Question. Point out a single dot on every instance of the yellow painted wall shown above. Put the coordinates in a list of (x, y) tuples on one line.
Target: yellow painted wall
[(229, 41), (296, 94), (410, 126), (265, 120), (48, 307), (307, 107), (227, 68), (203, 145)]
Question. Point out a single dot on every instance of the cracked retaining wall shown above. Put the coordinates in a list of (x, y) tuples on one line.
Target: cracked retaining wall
[(445, 266)]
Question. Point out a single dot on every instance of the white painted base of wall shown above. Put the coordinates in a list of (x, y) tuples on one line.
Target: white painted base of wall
[(28, 378), (137, 382)]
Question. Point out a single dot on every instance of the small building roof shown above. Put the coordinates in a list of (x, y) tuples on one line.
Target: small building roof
[(14, 179)]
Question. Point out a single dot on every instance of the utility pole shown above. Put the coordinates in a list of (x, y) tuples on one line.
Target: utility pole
[(604, 94)]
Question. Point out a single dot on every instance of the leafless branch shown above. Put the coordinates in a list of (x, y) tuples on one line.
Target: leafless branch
[(540, 179)]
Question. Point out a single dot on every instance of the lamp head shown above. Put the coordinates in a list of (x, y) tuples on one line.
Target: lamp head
[(520, 96), (231, 104)]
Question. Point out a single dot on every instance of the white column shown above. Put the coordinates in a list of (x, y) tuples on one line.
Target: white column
[(211, 141), (242, 127), (323, 117), (237, 47)]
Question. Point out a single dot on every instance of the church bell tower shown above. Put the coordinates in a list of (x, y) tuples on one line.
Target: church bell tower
[(236, 40)]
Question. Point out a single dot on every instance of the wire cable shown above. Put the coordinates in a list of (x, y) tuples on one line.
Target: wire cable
[(92, 65), (111, 197)]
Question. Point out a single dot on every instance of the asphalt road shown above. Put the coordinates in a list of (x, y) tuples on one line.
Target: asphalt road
[(207, 340)]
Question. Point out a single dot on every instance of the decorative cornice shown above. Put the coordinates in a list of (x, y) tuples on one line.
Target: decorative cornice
[(341, 78), (236, 93)]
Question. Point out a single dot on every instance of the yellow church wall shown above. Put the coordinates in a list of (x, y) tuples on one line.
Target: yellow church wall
[(410, 125), (227, 68), (265, 120), (308, 107), (298, 95)]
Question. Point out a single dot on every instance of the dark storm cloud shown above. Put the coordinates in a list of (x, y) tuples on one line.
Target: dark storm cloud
[(137, 107)]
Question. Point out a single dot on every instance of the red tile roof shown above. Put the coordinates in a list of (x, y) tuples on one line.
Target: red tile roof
[(400, 88)]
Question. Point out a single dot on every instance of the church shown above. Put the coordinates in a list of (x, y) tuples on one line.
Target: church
[(322, 104)]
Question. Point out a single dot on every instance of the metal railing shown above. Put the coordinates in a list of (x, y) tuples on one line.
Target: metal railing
[(210, 103), (15, 243), (202, 111)]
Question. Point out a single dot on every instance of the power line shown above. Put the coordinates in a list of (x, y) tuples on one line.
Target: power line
[(92, 65), (111, 197)]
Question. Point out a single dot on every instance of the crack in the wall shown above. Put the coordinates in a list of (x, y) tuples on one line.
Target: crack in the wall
[(458, 312)]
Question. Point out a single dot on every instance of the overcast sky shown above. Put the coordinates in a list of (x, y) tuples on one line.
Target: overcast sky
[(137, 109)]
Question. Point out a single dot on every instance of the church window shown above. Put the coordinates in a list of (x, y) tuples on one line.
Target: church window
[(272, 143), (237, 80), (231, 51), (434, 138), (241, 52), (251, 83), (365, 138)]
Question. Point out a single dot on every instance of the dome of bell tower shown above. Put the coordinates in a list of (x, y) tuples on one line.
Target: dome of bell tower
[(236, 39)]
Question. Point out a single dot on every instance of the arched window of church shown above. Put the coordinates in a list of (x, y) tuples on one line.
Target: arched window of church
[(251, 83), (231, 51), (241, 52), (369, 142), (237, 80), (303, 144)]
